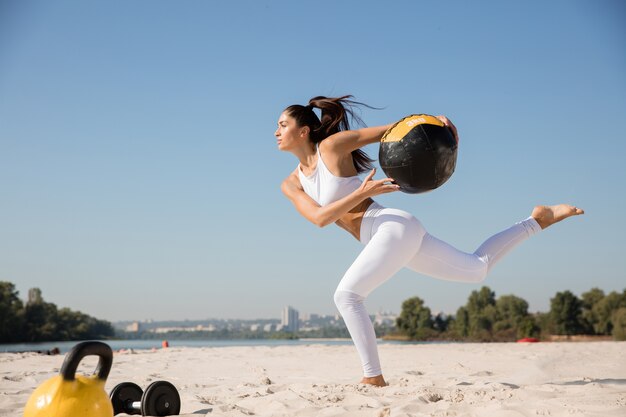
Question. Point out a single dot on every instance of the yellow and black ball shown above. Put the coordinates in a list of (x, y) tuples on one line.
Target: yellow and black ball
[(419, 153)]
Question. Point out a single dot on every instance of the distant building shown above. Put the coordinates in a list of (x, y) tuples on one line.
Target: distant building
[(385, 318), (290, 319), (34, 296), (133, 327)]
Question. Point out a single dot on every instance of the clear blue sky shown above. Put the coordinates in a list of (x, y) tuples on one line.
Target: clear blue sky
[(139, 176)]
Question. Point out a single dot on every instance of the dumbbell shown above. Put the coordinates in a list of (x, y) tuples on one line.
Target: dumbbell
[(160, 399)]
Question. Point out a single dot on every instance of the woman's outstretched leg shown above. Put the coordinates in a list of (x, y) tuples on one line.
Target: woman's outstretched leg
[(440, 260)]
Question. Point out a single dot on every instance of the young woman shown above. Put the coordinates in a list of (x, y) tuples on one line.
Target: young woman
[(325, 188)]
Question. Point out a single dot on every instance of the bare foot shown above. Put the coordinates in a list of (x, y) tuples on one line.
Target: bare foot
[(548, 215), (377, 381)]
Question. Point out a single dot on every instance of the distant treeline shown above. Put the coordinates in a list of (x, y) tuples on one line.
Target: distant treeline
[(236, 334), (39, 321), (485, 318)]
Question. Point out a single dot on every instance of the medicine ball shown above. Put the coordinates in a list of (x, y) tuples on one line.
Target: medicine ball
[(419, 153)]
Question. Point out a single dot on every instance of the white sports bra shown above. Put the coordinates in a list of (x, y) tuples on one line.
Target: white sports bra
[(324, 187)]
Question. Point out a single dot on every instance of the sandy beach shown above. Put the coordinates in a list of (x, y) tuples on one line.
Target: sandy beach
[(503, 380)]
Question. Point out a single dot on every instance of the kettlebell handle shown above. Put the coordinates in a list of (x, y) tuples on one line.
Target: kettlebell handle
[(78, 352)]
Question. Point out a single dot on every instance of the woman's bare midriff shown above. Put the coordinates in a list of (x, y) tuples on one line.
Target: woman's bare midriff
[(351, 221)]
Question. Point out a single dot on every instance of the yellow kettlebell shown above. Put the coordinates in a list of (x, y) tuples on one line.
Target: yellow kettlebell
[(69, 395)]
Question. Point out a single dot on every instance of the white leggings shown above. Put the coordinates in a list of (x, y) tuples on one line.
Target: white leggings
[(394, 239)]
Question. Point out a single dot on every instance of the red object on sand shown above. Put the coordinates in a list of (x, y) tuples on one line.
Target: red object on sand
[(165, 344), (528, 340)]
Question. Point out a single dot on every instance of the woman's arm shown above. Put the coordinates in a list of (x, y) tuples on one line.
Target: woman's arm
[(350, 140), (324, 215)]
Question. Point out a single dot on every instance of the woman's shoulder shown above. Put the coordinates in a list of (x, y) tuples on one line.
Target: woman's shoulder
[(332, 144), (335, 156), (291, 186), (292, 179)]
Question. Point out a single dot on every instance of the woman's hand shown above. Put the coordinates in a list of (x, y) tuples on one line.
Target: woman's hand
[(373, 188), (450, 126)]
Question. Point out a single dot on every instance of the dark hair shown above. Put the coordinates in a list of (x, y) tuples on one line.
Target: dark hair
[(336, 113)]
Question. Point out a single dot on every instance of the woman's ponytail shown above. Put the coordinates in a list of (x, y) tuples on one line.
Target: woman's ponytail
[(335, 117)]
